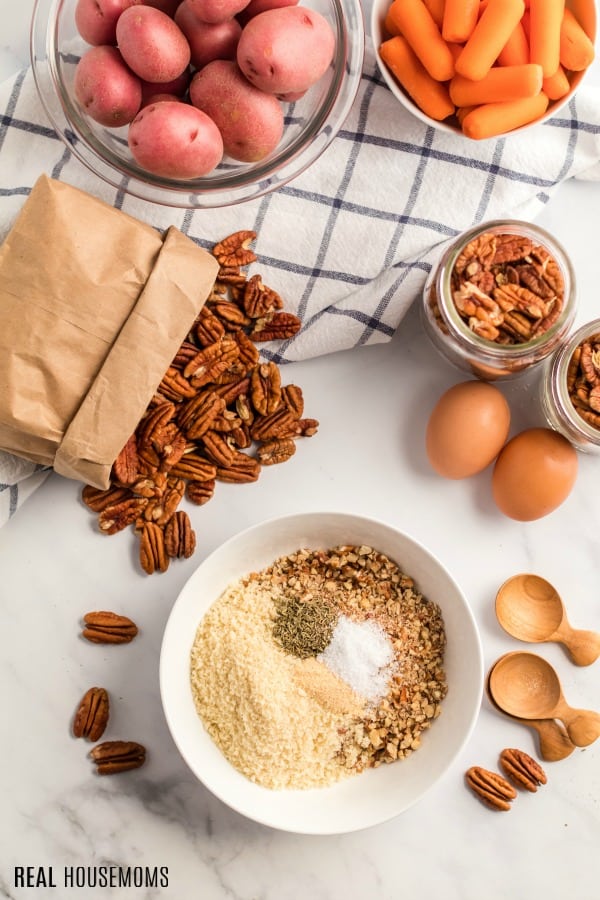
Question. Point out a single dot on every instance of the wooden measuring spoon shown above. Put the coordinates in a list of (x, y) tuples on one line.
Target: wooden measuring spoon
[(525, 685), (554, 741), (530, 609)]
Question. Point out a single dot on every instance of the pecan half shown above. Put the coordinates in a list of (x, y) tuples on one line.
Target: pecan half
[(121, 515), (196, 416), (126, 465), (211, 362), (112, 757), (200, 492), (234, 250), (265, 388), (180, 538), (174, 386), (292, 397), (280, 326), (194, 467), (105, 627), (91, 716), (522, 769), (241, 471), (277, 451), (280, 424), (153, 555), (258, 300), (207, 328), (490, 787), (98, 500)]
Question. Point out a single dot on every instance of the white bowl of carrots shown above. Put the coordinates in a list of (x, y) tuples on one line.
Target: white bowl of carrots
[(483, 68)]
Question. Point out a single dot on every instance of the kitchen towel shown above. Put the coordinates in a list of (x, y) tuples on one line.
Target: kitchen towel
[(349, 242)]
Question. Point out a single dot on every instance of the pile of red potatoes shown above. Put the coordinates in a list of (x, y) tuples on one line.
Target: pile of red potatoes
[(196, 80)]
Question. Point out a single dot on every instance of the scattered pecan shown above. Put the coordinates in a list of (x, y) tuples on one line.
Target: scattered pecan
[(280, 424), (97, 500), (258, 300), (200, 492), (117, 517), (105, 627), (280, 326), (174, 386), (490, 787), (112, 757), (153, 556), (265, 388), (276, 451), (211, 362), (207, 328), (583, 380), (230, 315), (218, 449), (180, 538), (193, 467), (91, 716), (522, 769), (126, 465), (197, 414), (242, 470), (292, 397), (234, 250)]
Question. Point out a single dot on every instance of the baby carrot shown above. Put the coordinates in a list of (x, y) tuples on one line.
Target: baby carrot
[(389, 26), (576, 50), (459, 20), (436, 8), (492, 119), (557, 85), (501, 83), (516, 50), (545, 18), (416, 24), (463, 111), (489, 36), (431, 96)]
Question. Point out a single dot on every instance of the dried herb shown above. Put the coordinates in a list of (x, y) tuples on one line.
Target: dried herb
[(303, 626)]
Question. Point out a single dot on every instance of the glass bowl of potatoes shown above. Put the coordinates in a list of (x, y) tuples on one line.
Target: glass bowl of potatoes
[(197, 103)]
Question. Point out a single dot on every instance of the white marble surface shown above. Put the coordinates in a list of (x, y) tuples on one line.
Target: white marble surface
[(368, 457)]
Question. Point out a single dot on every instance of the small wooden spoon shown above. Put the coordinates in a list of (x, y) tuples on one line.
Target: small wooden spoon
[(554, 741), (530, 609), (525, 685)]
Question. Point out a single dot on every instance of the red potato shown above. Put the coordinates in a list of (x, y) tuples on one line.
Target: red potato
[(96, 20), (285, 50), (208, 41), (175, 140), (108, 91), (151, 44), (257, 6), (216, 10), (167, 6), (250, 121), (175, 88)]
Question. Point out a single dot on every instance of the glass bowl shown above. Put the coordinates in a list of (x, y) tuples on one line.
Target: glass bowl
[(310, 124)]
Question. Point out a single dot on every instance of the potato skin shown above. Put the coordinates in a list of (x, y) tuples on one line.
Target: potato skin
[(250, 121), (108, 91), (208, 40), (175, 140), (96, 20), (151, 44), (257, 6), (216, 10), (285, 50)]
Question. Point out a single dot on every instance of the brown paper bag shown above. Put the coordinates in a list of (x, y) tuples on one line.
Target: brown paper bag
[(93, 307)]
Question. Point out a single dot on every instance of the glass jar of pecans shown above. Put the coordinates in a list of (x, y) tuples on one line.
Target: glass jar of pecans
[(500, 299), (571, 388)]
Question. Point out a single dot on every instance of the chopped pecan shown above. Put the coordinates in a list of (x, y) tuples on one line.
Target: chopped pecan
[(490, 787), (105, 627), (153, 556), (522, 769), (234, 250), (200, 492), (112, 757), (265, 388), (117, 517), (91, 716), (276, 451), (97, 500), (126, 465), (180, 538), (280, 326)]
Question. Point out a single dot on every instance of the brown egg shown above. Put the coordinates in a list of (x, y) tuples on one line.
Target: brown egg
[(534, 474), (466, 429)]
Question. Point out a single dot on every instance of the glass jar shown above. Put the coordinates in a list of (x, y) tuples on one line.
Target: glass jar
[(565, 388), (467, 338)]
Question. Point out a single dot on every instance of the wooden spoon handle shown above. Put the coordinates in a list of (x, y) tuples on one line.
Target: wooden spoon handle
[(584, 646), (583, 726)]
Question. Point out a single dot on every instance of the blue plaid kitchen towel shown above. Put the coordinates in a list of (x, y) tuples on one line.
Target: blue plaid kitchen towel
[(348, 243)]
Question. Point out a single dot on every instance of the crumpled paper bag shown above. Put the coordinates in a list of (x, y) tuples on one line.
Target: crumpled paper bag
[(93, 307)]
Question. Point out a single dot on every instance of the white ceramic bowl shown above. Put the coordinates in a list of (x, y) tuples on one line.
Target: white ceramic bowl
[(362, 800), (586, 12), (310, 124)]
